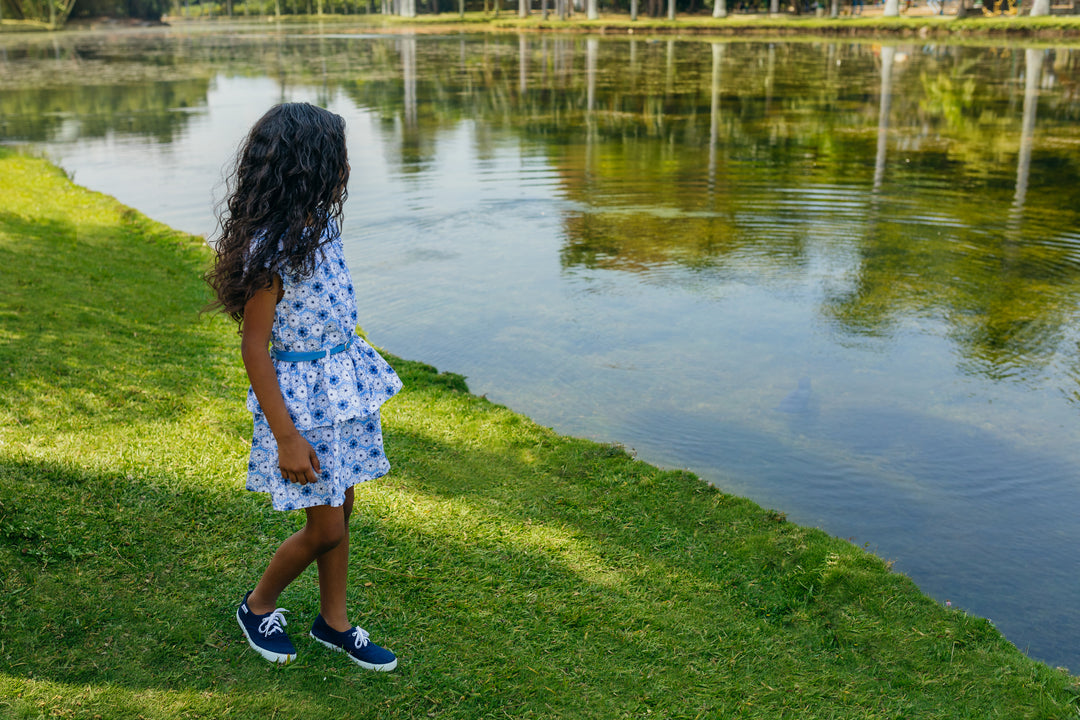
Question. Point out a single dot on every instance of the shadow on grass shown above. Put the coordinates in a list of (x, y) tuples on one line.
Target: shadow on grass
[(95, 330), (568, 580), (124, 583)]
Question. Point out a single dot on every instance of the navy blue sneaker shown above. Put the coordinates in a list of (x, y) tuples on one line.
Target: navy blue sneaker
[(356, 645), (266, 633)]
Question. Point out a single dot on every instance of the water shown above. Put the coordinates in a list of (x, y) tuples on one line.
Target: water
[(841, 279)]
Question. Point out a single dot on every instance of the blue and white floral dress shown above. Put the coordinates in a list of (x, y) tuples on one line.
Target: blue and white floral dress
[(334, 400)]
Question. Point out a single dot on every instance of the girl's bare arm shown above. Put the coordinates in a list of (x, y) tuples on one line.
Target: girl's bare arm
[(296, 457)]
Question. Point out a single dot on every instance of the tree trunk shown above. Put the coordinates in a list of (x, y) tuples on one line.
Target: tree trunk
[(1041, 7), (892, 8), (719, 8), (591, 10), (633, 9), (671, 10), (523, 8)]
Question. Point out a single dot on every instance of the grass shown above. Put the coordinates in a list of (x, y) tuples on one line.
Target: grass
[(517, 573)]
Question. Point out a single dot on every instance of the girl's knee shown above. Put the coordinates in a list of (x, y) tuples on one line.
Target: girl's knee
[(326, 538), (325, 531)]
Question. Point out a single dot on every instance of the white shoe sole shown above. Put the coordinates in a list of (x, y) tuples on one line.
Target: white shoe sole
[(385, 667), (276, 658)]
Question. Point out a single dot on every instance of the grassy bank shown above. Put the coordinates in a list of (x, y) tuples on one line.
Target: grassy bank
[(516, 573)]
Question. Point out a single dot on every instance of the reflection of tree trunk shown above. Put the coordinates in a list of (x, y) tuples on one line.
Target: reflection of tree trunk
[(1034, 62), (408, 74), (591, 46), (830, 67), (714, 113), (324, 95), (669, 76), (887, 54), (770, 76), (543, 62), (523, 68)]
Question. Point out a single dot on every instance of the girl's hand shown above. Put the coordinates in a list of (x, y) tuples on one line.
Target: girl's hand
[(297, 460)]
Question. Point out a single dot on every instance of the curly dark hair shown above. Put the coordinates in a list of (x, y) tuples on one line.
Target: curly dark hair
[(288, 186)]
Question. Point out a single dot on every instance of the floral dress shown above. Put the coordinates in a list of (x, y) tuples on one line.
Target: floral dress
[(334, 400)]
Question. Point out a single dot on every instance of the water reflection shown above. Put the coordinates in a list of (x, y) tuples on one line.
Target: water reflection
[(655, 242), (1033, 63), (888, 54)]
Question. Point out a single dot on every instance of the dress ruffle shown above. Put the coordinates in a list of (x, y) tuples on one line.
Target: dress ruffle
[(350, 384)]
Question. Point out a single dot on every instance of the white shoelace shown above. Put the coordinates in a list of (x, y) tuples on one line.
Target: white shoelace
[(274, 622), (361, 636)]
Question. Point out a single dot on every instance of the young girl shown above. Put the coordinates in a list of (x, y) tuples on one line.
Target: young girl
[(316, 387)]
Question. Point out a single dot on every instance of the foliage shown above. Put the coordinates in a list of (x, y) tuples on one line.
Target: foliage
[(52, 12), (142, 9)]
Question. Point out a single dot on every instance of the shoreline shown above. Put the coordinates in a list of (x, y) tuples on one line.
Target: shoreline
[(916, 23)]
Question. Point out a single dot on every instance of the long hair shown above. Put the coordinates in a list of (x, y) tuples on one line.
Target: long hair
[(287, 187)]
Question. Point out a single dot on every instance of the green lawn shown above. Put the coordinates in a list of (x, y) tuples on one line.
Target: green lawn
[(515, 572)]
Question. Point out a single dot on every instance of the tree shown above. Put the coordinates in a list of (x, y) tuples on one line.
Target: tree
[(53, 12)]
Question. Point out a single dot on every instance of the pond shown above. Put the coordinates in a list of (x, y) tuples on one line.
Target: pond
[(839, 278)]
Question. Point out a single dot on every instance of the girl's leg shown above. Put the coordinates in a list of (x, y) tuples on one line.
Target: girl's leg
[(333, 572), (324, 531)]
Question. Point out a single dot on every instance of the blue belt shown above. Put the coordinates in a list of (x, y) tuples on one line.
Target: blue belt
[(307, 356)]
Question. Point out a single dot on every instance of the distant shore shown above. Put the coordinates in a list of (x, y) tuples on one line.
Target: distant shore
[(919, 21)]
